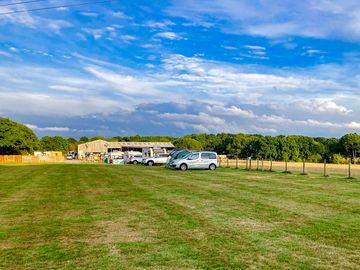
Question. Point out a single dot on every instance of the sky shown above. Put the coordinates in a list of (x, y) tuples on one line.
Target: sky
[(176, 67)]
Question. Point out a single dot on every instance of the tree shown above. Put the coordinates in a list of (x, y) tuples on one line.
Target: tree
[(350, 144), (16, 138), (236, 145), (188, 143), (56, 143), (271, 147), (97, 138), (83, 139), (305, 147), (72, 144)]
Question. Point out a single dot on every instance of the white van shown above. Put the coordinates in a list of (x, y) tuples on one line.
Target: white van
[(196, 160)]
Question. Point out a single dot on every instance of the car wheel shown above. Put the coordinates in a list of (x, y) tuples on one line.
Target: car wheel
[(150, 163), (212, 167), (183, 167), (135, 162)]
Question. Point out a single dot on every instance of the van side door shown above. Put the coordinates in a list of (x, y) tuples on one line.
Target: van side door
[(205, 160), (193, 161)]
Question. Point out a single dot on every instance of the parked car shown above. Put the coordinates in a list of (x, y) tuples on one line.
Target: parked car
[(176, 154), (196, 160), (158, 159), (71, 155), (135, 159)]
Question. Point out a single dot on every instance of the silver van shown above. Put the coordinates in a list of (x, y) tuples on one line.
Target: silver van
[(196, 160)]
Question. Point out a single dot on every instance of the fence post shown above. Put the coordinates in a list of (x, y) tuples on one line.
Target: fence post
[(286, 166), (349, 169), (246, 164), (271, 165), (237, 165), (250, 165), (257, 164), (303, 166), (227, 162), (262, 164), (325, 167)]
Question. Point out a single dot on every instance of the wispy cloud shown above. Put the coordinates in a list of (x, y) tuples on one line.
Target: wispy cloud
[(53, 129), (169, 35), (221, 94), (320, 19)]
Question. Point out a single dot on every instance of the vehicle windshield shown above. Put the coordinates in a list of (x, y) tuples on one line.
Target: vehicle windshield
[(187, 155)]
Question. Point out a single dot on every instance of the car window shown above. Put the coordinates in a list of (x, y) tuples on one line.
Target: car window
[(194, 156), (181, 155), (212, 156), (205, 155)]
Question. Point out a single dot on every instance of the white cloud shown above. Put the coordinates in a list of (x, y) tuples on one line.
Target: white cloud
[(5, 54), (324, 106), (278, 18), (128, 38), (96, 33), (254, 47), (29, 20), (169, 35), (120, 15), (89, 14), (53, 129), (263, 130), (68, 89), (230, 111), (331, 106), (224, 97), (353, 125), (159, 25), (232, 48), (22, 103), (227, 81)]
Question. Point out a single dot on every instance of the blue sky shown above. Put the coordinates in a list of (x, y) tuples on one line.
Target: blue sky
[(176, 67)]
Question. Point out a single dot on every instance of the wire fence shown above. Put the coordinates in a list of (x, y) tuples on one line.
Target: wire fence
[(348, 170)]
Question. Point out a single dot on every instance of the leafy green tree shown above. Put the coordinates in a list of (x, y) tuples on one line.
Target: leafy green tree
[(97, 138), (236, 145), (271, 151), (56, 143), (188, 143), (83, 139), (16, 138), (305, 145), (350, 145), (72, 144)]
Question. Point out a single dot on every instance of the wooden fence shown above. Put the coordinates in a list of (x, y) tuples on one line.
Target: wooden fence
[(29, 159), (296, 167)]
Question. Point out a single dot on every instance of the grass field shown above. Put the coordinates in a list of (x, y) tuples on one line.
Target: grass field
[(133, 217)]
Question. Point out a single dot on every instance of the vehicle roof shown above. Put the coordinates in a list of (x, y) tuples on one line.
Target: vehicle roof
[(204, 152)]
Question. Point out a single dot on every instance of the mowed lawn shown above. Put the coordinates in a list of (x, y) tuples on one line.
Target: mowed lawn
[(134, 217)]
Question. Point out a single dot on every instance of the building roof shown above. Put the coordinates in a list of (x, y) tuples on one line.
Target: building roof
[(133, 144)]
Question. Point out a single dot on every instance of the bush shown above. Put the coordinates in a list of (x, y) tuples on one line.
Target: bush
[(338, 159), (316, 158)]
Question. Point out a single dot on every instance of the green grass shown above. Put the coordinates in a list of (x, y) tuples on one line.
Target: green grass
[(135, 217)]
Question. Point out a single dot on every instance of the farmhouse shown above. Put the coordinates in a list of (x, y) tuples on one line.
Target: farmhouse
[(101, 147)]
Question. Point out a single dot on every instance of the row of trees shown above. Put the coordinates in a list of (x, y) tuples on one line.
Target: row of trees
[(295, 148), (16, 138)]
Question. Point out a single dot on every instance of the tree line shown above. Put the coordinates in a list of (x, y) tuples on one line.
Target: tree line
[(17, 139)]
